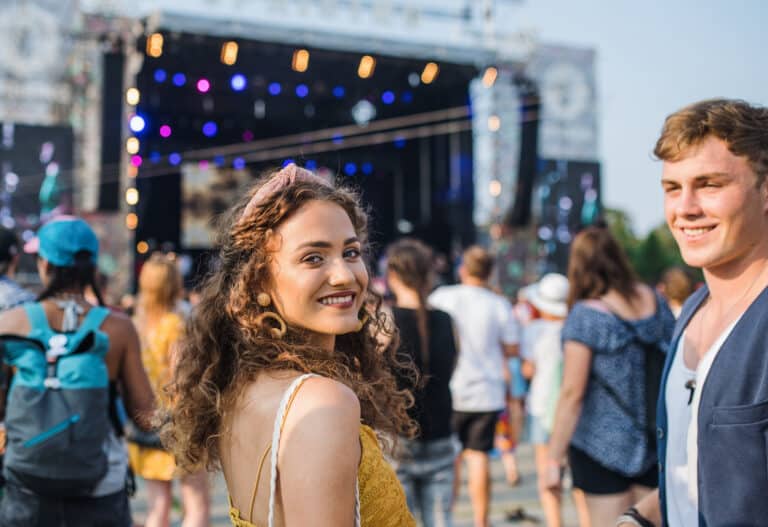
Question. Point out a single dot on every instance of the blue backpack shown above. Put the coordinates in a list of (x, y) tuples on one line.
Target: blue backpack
[(57, 413)]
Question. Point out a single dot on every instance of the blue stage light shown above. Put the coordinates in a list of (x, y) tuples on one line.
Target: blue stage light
[(399, 142), (238, 82), (337, 139), (174, 158), (339, 92), (137, 124), (388, 97), (210, 128), (275, 88), (287, 162), (350, 169), (160, 75), (179, 79), (155, 157), (218, 161), (407, 97), (311, 164), (238, 163), (367, 168), (302, 90)]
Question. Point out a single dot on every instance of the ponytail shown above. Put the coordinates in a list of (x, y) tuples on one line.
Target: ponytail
[(411, 261), (78, 276), (422, 322)]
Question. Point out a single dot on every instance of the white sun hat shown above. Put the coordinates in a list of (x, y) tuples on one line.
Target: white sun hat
[(550, 294)]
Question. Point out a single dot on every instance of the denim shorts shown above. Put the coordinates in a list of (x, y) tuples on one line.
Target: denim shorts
[(20, 507), (425, 469), (536, 433), (518, 385)]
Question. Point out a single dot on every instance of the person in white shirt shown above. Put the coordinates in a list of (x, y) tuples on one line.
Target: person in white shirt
[(488, 333), (542, 352)]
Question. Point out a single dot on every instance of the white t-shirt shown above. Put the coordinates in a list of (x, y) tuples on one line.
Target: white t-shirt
[(541, 345), (484, 321), (682, 456)]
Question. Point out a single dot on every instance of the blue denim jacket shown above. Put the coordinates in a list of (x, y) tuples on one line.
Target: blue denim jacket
[(732, 422)]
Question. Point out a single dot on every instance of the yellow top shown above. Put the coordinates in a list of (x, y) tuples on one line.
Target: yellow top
[(382, 499), (153, 463), (156, 350)]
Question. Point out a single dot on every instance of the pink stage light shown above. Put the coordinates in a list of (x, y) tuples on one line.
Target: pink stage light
[(165, 131), (203, 85), (136, 160)]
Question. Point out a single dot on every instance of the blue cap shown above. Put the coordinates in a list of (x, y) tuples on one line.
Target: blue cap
[(59, 240)]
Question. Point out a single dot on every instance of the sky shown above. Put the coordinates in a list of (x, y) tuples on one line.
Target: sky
[(653, 57)]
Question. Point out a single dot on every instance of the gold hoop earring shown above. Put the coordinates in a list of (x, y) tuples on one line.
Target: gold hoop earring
[(263, 299), (279, 332), (361, 323)]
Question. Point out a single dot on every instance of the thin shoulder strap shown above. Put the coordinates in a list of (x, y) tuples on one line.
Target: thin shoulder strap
[(256, 485), (282, 411)]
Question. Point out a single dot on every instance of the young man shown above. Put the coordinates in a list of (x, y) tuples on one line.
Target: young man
[(713, 407), (488, 332)]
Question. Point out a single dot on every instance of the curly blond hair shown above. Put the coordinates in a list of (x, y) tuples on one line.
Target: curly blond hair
[(228, 344)]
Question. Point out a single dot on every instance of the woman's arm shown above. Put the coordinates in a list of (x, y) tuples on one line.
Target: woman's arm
[(576, 367), (137, 392), (528, 369), (319, 456)]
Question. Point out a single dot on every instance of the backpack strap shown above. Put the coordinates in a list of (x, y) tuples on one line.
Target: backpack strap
[(94, 319), (91, 323), (37, 318)]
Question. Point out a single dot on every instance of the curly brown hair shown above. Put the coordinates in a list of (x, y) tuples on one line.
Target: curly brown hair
[(228, 343)]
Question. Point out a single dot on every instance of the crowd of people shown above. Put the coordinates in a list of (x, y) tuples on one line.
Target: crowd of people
[(324, 400)]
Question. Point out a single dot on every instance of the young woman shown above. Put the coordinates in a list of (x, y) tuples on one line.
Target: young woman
[(67, 250), (281, 380), (601, 411), (160, 328), (425, 467)]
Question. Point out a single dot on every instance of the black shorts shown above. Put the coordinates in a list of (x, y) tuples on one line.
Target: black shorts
[(593, 478), (476, 430), (21, 508)]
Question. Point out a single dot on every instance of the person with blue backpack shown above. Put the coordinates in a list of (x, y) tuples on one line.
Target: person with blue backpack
[(65, 463)]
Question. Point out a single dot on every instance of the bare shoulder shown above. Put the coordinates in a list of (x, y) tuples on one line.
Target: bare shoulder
[(14, 321), (118, 323), (327, 395), (324, 412), (320, 454)]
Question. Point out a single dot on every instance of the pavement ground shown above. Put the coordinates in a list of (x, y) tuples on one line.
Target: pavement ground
[(505, 498)]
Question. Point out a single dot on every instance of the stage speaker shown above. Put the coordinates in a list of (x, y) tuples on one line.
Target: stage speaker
[(520, 213), (111, 131)]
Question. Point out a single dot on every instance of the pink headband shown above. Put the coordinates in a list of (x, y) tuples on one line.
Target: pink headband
[(284, 178)]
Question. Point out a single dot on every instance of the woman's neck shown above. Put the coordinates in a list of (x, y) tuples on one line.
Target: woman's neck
[(408, 299)]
